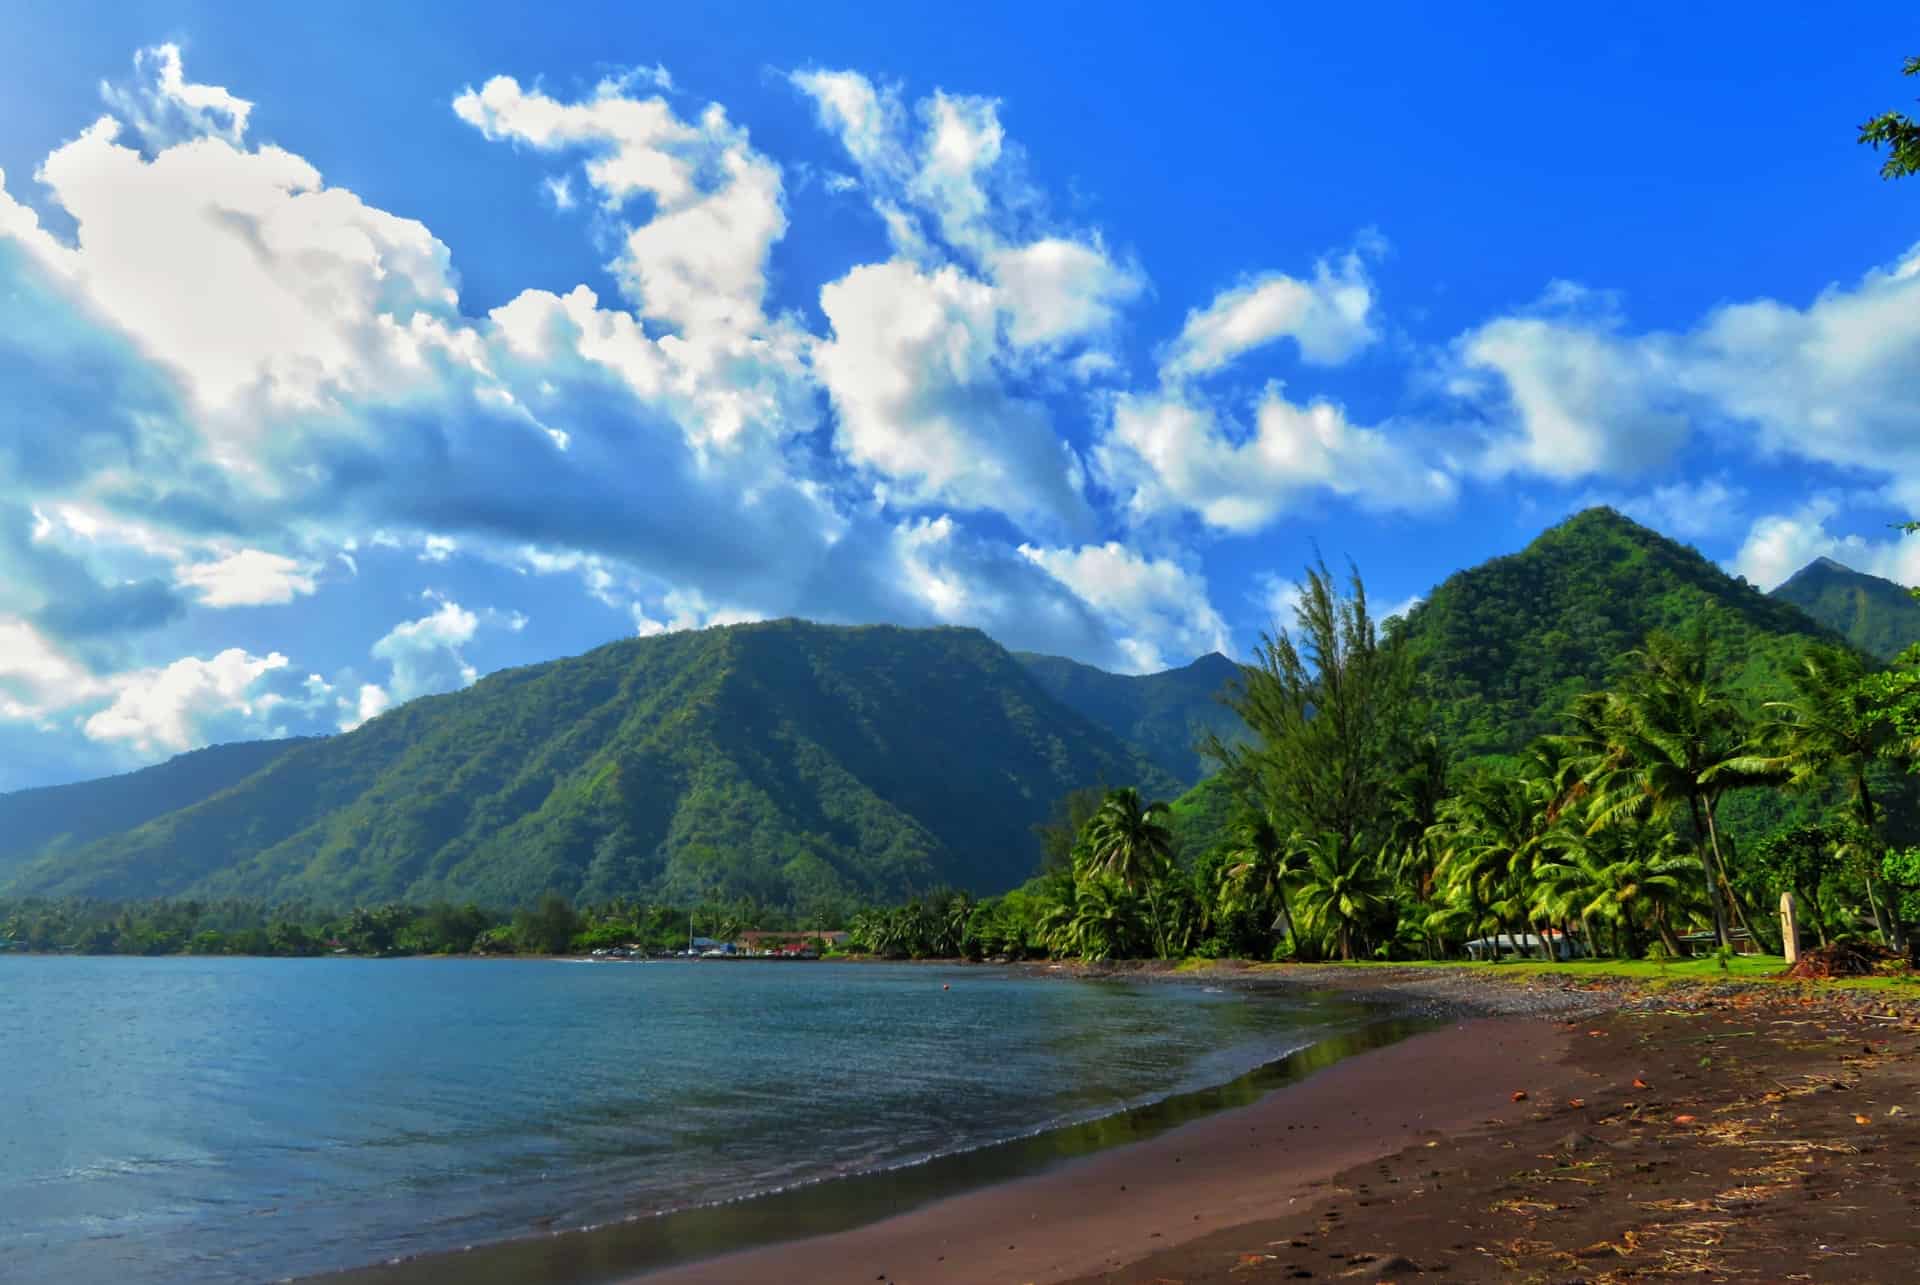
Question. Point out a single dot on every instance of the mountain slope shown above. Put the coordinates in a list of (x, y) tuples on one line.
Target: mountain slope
[(1878, 616), (785, 760), (1167, 715), (1504, 647), (63, 817)]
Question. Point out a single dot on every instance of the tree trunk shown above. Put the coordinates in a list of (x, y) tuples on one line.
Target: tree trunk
[(1891, 929), (1667, 939), (1707, 869), (1879, 917), (1819, 920), (1286, 913)]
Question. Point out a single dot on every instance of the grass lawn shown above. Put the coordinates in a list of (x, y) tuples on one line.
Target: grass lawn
[(1746, 968)]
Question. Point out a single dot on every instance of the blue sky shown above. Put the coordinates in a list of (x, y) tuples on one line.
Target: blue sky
[(347, 353)]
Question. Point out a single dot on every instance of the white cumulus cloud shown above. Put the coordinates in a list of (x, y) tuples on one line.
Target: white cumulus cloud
[(1159, 609), (1172, 452), (247, 578), (191, 702), (1329, 317)]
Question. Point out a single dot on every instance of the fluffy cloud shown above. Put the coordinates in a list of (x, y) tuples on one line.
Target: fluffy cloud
[(1159, 609), (166, 107), (718, 205), (1582, 399), (912, 368), (247, 578), (1832, 382), (926, 347), (37, 678), (424, 655), (260, 288), (191, 702), (1328, 317), (1172, 452)]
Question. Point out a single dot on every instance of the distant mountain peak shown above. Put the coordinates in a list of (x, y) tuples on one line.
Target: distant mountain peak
[(1875, 614)]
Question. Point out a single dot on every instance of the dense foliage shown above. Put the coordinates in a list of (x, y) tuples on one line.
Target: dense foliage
[(796, 764), (1169, 715), (63, 817), (553, 925), (1504, 648), (1877, 616), (1346, 828)]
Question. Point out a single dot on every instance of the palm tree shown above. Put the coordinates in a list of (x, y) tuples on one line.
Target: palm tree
[(1260, 866), (1102, 921), (1829, 728), (1669, 736), (1492, 834), (1625, 877), (1342, 892), (1127, 840)]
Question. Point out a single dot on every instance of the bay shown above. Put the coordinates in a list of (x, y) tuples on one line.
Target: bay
[(232, 1120)]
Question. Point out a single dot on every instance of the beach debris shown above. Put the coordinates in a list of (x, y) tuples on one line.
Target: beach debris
[(1862, 1119), (1639, 1083), (1841, 959), (1576, 1103), (1519, 1095), (1684, 1119)]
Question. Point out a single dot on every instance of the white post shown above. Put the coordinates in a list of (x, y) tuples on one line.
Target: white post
[(1789, 928)]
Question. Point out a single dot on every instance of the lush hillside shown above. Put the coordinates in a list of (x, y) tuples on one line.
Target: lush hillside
[(63, 817), (1168, 714), (1502, 648), (1878, 616), (786, 761)]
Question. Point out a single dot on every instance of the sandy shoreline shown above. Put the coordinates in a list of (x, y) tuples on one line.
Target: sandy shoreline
[(1427, 1155), (1214, 1173)]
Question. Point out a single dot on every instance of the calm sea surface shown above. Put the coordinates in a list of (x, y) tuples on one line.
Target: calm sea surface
[(248, 1120)]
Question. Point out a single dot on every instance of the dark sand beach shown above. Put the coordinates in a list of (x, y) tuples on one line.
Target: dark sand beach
[(1704, 1133)]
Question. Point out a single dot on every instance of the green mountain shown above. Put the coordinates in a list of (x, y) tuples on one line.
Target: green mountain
[(1504, 647), (63, 817), (1877, 616), (788, 761), (1167, 715)]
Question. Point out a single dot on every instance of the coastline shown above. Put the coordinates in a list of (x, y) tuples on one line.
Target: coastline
[(1199, 1179), (1508, 1144), (1339, 1171), (954, 1198)]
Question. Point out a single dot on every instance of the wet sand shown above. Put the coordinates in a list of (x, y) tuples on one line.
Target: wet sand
[(1746, 1137), (1217, 1173)]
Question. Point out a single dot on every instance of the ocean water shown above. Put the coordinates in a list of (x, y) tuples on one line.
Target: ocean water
[(217, 1120)]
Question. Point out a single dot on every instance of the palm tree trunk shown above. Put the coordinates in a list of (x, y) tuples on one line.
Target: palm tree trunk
[(1891, 930), (1708, 863), (1665, 929), (1879, 916), (1286, 913)]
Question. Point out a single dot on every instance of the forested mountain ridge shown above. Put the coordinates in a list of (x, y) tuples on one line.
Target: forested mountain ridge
[(785, 761), (1502, 648), (1167, 715), (1876, 615), (68, 816)]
